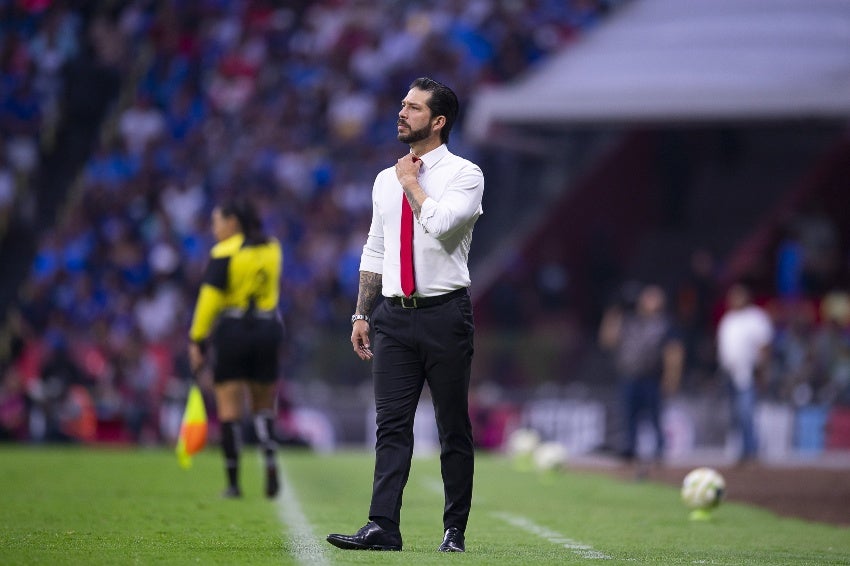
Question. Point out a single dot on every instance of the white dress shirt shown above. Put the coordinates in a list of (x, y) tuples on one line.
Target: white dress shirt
[(442, 234), (741, 335)]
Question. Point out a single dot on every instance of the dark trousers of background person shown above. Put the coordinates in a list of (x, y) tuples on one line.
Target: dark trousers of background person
[(743, 416), (412, 346), (641, 396)]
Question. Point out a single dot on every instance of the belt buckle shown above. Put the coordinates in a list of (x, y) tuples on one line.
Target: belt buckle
[(410, 305)]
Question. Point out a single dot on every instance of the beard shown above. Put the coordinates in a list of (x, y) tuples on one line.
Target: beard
[(415, 135)]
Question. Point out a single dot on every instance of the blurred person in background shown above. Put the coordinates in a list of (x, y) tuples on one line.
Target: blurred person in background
[(424, 327), (139, 376), (62, 406), (649, 358), (744, 336), (832, 347), (236, 311)]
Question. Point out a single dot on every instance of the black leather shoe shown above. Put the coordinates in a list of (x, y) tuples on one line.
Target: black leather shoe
[(453, 541), (369, 537)]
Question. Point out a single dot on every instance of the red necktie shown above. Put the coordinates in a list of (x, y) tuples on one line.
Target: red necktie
[(408, 283)]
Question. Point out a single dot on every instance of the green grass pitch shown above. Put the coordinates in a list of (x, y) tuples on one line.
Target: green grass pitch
[(136, 506)]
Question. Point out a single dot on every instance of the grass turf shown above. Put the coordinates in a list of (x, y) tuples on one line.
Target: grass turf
[(102, 506)]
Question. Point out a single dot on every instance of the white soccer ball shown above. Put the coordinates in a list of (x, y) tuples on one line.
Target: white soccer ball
[(703, 488), (549, 456), (522, 442)]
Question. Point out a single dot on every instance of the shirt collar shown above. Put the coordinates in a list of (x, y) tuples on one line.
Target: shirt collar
[(435, 155)]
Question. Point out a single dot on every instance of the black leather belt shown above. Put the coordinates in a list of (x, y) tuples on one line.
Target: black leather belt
[(424, 302)]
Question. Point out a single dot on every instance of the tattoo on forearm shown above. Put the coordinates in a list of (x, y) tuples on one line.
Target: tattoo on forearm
[(370, 290), (414, 206)]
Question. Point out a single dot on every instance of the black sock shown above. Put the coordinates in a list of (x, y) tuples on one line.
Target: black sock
[(264, 427), (230, 447)]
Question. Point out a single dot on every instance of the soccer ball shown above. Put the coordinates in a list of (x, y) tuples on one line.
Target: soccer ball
[(703, 488), (520, 446), (549, 456), (522, 442)]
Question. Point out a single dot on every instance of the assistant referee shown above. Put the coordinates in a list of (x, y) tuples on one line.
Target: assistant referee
[(236, 312)]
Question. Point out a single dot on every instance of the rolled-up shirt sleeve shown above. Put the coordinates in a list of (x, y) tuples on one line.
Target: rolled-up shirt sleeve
[(372, 258), (460, 203)]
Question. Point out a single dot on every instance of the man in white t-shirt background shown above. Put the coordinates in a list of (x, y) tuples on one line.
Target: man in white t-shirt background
[(744, 337)]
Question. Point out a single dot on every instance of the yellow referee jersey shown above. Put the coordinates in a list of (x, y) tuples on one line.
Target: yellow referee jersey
[(239, 277)]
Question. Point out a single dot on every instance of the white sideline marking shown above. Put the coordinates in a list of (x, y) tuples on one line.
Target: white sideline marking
[(304, 545), (583, 550)]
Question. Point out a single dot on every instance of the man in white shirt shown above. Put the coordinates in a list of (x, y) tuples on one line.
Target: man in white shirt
[(423, 330), (743, 345)]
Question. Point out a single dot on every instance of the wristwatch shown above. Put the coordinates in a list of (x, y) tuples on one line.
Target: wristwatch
[(356, 317)]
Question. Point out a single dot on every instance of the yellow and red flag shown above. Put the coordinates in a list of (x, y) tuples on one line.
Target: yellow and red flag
[(193, 429)]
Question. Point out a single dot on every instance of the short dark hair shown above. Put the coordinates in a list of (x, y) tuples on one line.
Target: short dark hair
[(443, 102)]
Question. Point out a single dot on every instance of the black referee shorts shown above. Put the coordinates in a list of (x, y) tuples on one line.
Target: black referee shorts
[(247, 348)]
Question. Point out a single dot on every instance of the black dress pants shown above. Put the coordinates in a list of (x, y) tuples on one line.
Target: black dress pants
[(412, 346)]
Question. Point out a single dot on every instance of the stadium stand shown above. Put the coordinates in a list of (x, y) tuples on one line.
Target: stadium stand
[(291, 105), (742, 184), (107, 235)]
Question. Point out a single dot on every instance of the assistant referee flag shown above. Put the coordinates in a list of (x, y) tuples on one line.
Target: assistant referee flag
[(193, 429)]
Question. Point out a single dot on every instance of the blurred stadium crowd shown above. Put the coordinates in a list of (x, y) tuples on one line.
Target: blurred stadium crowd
[(296, 107)]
